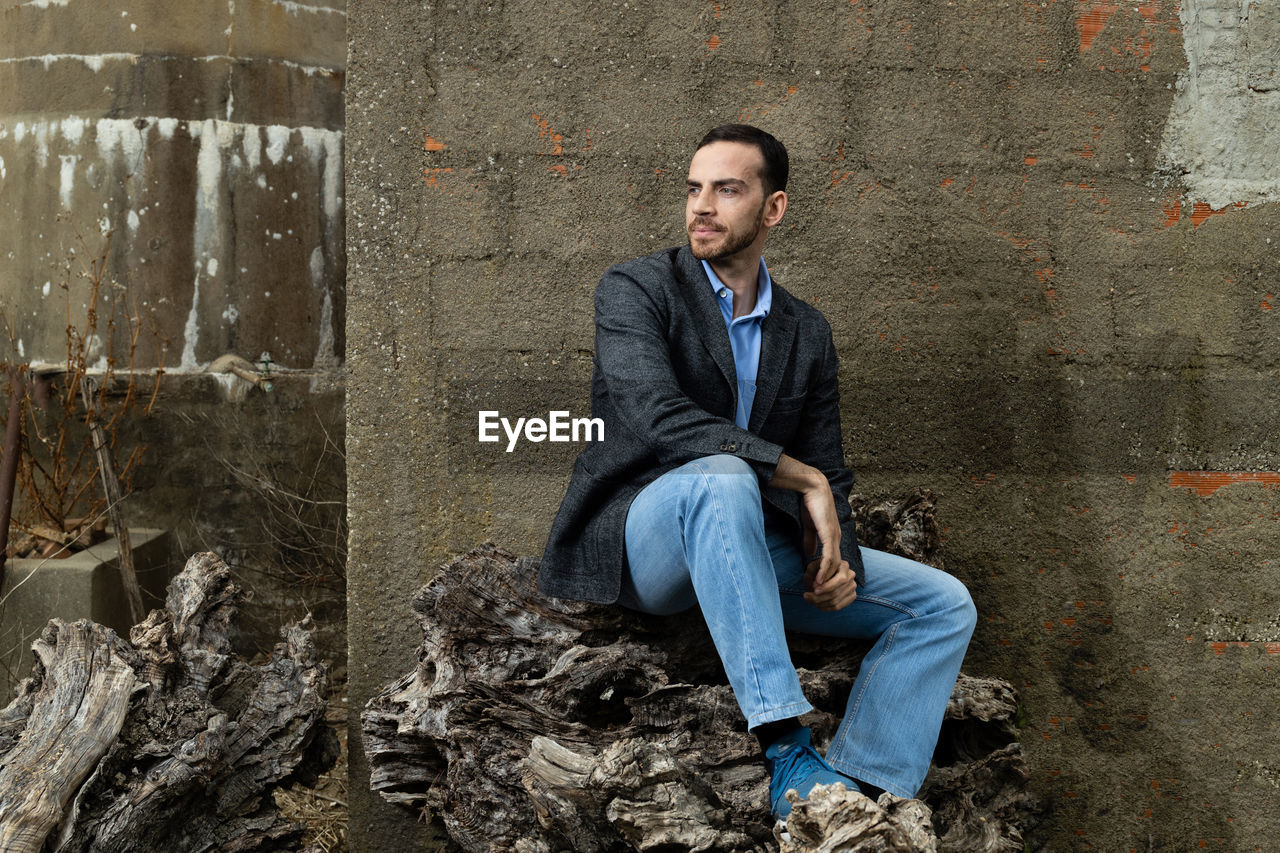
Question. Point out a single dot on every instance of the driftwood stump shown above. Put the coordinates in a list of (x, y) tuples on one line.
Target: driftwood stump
[(538, 725), (168, 743)]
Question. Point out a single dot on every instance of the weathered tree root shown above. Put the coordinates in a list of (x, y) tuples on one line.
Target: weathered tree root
[(168, 744), (833, 820), (540, 725)]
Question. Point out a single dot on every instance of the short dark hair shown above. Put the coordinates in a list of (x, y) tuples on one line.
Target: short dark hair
[(776, 164)]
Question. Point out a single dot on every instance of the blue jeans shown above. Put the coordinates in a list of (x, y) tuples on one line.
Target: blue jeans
[(697, 536)]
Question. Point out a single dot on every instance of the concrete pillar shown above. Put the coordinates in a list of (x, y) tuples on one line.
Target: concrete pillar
[(198, 149)]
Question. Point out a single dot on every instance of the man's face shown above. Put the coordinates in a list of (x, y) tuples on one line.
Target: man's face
[(725, 208)]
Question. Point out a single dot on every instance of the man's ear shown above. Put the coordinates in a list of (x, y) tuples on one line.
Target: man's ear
[(774, 207)]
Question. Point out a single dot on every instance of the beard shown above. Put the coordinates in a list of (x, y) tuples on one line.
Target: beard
[(731, 244)]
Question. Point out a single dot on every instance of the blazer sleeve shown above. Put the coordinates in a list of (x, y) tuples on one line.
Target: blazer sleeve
[(820, 442), (634, 355)]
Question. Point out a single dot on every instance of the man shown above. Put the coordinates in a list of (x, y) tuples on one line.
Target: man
[(721, 484)]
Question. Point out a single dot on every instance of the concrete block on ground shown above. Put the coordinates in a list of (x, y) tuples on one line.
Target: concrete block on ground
[(85, 585)]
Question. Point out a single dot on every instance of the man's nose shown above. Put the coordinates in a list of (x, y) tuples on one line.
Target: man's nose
[(701, 202)]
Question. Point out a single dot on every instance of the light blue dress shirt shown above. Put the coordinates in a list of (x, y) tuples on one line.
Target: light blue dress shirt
[(744, 336)]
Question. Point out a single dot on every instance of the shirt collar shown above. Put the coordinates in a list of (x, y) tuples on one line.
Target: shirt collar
[(764, 290)]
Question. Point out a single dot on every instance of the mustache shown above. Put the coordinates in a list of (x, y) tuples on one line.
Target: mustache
[(704, 223)]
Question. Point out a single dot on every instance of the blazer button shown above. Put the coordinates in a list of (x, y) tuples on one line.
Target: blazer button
[(733, 448), (724, 448)]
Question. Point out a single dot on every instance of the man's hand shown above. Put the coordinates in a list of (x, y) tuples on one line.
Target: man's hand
[(829, 580), (836, 593)]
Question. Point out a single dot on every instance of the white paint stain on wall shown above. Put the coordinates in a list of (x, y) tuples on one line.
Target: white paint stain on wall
[(73, 129), (295, 8), (326, 351), (252, 144), (41, 134), (1220, 138), (123, 137), (207, 236), (67, 179), (277, 139), (96, 61), (321, 144), (317, 266)]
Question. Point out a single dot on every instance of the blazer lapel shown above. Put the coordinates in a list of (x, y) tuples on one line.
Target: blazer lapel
[(707, 318), (778, 332)]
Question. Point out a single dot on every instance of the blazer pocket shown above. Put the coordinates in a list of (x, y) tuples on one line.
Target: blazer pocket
[(787, 405), (783, 419)]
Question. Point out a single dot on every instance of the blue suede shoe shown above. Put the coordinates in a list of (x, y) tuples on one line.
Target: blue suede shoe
[(792, 763)]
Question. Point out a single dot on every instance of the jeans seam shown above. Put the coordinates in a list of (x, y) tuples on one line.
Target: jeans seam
[(724, 545), (846, 724)]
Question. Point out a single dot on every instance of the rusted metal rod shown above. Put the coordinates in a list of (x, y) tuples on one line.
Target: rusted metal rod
[(12, 450)]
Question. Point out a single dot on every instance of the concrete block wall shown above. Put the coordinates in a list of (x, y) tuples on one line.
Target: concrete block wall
[(1044, 235)]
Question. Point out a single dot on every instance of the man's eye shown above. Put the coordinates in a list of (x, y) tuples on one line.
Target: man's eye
[(727, 191)]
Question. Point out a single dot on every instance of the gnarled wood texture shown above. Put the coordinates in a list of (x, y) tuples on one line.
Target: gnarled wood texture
[(72, 722), (169, 744), (539, 725)]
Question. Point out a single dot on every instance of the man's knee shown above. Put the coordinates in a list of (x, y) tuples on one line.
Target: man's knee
[(724, 465), (728, 480), (724, 473), (955, 600)]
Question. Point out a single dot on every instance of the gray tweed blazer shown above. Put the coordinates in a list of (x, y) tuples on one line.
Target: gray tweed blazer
[(665, 386)]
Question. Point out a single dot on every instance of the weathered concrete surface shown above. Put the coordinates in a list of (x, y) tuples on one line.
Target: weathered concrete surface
[(199, 152), (208, 145), (1015, 278), (227, 468), (1226, 114)]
